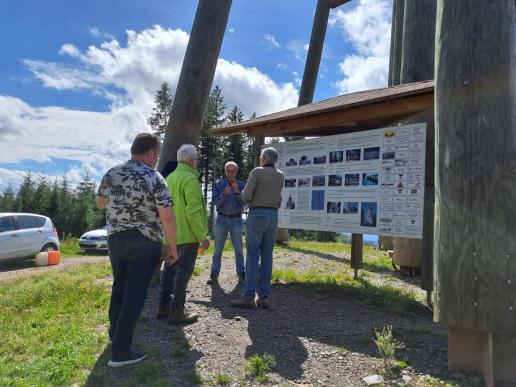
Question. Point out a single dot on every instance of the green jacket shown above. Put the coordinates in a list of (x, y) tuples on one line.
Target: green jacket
[(189, 207)]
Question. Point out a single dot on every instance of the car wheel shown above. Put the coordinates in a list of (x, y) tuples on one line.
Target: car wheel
[(49, 247)]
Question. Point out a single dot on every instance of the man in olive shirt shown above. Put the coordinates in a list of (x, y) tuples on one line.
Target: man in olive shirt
[(263, 194)]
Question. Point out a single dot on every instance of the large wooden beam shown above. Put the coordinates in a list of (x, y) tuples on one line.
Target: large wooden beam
[(396, 41), (417, 64), (474, 247), (337, 3), (196, 77), (313, 58)]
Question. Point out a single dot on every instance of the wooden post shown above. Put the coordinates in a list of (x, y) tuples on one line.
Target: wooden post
[(257, 149), (474, 247), (416, 63), (196, 77), (396, 41), (357, 244), (313, 58)]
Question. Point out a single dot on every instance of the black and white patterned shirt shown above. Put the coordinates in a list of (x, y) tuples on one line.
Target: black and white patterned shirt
[(133, 194)]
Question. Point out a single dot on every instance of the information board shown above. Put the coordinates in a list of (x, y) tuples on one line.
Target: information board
[(369, 182)]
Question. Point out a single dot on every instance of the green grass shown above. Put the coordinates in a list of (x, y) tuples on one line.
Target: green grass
[(70, 248), (342, 284), (228, 247), (147, 371), (374, 259), (258, 365), (194, 378), (197, 270), (53, 326), (222, 380)]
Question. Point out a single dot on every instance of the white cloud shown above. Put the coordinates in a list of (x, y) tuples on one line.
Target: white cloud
[(298, 48), (128, 76), (14, 177), (69, 49), (368, 28), (231, 30), (282, 66), (95, 32), (271, 40)]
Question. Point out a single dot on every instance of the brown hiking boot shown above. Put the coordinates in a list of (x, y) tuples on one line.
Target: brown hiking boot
[(242, 302), (181, 316), (214, 279), (163, 310), (262, 302)]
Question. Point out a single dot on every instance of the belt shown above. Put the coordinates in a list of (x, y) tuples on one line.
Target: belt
[(239, 215), (264, 208)]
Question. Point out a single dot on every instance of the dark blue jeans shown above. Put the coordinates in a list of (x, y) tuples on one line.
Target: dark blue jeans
[(262, 224), (174, 278), (133, 259), (224, 225)]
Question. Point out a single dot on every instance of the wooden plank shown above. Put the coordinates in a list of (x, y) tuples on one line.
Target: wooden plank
[(343, 102), (311, 124), (471, 350), (475, 248), (193, 88)]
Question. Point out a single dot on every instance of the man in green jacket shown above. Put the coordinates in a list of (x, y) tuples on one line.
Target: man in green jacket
[(192, 231)]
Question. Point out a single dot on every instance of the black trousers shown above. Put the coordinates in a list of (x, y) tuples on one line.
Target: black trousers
[(175, 277), (133, 257)]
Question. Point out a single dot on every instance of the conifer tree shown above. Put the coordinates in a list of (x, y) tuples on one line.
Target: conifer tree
[(158, 121)]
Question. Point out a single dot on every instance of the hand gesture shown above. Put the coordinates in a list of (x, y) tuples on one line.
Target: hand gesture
[(227, 190), (171, 257), (205, 244), (235, 186)]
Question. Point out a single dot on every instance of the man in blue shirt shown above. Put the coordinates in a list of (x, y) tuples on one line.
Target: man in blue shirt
[(226, 197)]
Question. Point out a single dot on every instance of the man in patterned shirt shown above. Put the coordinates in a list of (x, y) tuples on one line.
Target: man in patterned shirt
[(139, 206)]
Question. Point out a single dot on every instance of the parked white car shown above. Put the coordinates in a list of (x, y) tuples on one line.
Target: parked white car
[(22, 236), (95, 240)]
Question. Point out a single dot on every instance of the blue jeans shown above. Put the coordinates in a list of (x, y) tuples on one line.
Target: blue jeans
[(133, 259), (222, 226), (262, 224)]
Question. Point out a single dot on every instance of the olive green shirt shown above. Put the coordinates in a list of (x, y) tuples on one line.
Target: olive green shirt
[(263, 188)]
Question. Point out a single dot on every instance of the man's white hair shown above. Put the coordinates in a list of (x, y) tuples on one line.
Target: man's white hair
[(230, 163), (186, 152), (270, 155)]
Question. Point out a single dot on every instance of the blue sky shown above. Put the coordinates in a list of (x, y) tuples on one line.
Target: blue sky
[(77, 79)]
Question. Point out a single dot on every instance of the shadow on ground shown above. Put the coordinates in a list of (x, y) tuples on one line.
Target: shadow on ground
[(301, 317), (171, 361), (414, 280), (16, 265)]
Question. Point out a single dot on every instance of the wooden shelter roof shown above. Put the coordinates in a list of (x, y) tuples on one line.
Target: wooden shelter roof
[(352, 112)]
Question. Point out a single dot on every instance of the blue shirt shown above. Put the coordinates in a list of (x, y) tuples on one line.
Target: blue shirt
[(227, 205)]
